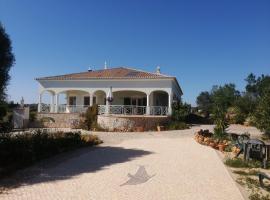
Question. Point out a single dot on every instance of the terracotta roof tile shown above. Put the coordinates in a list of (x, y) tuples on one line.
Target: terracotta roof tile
[(114, 73)]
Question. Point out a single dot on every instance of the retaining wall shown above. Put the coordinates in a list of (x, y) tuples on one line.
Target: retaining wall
[(131, 123), (56, 120)]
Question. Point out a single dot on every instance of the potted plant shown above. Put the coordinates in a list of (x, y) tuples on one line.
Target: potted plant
[(221, 147)]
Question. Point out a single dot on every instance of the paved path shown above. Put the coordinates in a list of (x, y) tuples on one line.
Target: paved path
[(169, 165)]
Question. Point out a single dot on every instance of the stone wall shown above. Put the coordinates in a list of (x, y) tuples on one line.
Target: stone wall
[(111, 122), (56, 120), (131, 123)]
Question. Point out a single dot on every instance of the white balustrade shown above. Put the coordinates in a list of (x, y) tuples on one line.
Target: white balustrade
[(132, 110), (113, 109), (76, 108), (45, 108), (158, 110)]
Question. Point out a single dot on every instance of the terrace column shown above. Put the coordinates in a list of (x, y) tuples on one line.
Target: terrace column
[(170, 104), (52, 103), (107, 107), (56, 103), (91, 99), (147, 104), (39, 102)]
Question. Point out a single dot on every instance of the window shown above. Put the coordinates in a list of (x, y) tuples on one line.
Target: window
[(127, 101), (86, 101), (72, 101), (134, 102)]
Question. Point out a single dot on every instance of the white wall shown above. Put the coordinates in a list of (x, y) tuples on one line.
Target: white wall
[(91, 86)]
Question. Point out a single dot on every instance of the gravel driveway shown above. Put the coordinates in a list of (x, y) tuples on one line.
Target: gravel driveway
[(167, 165)]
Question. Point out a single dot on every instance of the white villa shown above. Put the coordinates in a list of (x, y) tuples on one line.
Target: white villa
[(116, 91)]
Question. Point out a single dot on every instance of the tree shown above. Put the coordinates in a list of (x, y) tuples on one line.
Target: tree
[(224, 96), (6, 61), (257, 86), (262, 113), (205, 102), (251, 86), (180, 110), (246, 104), (221, 96)]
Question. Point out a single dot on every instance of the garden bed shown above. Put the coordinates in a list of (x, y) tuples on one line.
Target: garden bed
[(205, 137)]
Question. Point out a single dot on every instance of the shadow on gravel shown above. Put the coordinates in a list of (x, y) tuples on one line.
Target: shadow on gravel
[(70, 164)]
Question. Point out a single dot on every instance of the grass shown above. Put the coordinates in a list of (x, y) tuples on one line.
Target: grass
[(176, 125), (257, 193), (240, 163), (246, 173), (265, 137), (248, 178), (259, 196)]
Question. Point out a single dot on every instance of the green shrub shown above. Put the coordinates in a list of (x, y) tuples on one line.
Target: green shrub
[(20, 150), (175, 125), (197, 119), (6, 125), (32, 116), (180, 110), (89, 121)]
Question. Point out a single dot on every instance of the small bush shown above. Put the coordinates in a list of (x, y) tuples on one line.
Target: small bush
[(197, 119), (89, 121), (32, 116), (174, 125), (20, 150), (180, 110)]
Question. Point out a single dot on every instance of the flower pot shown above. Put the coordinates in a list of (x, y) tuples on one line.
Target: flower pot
[(221, 147), (160, 128), (212, 144), (139, 129)]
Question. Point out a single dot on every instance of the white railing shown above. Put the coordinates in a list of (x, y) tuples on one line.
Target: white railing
[(132, 110), (63, 108), (102, 109), (45, 108), (158, 110), (76, 109)]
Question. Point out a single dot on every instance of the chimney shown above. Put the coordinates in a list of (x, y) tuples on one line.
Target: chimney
[(158, 70), (105, 65)]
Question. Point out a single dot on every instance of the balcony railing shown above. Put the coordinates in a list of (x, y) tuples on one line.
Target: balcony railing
[(46, 108), (63, 108), (158, 110), (132, 110), (102, 109)]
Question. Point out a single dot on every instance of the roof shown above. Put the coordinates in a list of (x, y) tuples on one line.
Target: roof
[(112, 73)]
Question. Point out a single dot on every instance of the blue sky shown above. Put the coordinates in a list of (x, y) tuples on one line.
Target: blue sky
[(202, 43)]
